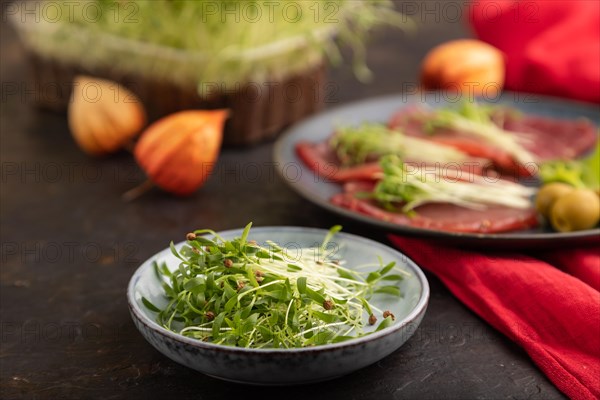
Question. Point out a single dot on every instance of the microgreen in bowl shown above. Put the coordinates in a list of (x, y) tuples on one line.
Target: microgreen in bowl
[(240, 293), (221, 41)]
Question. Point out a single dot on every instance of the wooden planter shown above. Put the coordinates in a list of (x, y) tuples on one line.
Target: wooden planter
[(259, 110)]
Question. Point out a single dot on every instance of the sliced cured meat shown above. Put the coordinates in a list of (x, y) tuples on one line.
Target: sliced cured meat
[(358, 186), (459, 219), (547, 138), (554, 138), (444, 217), (321, 158), (412, 121), (474, 147)]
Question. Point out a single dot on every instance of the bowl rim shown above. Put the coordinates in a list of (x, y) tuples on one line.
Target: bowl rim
[(419, 308)]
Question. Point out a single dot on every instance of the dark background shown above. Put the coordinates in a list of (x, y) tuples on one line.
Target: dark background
[(70, 245)]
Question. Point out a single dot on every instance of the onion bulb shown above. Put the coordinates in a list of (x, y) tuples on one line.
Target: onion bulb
[(466, 66), (103, 115)]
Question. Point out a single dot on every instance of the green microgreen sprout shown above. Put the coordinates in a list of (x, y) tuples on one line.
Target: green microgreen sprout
[(477, 120), (221, 41), (583, 173), (407, 187), (240, 293), (369, 141)]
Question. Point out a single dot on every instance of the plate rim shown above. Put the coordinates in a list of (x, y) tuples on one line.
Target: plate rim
[(419, 308), (278, 148)]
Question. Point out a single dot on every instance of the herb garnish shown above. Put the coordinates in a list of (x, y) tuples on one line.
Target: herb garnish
[(239, 293), (407, 187), (477, 120), (583, 173), (356, 145)]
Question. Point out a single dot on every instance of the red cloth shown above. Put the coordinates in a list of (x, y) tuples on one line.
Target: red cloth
[(548, 302), (552, 47), (553, 315)]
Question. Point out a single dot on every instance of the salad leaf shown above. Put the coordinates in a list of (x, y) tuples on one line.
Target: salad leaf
[(409, 187), (583, 173), (476, 120), (368, 141)]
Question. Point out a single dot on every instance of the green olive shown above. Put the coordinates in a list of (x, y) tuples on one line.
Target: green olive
[(575, 211), (548, 194)]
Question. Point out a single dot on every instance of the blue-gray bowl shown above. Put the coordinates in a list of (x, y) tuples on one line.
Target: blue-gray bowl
[(287, 366)]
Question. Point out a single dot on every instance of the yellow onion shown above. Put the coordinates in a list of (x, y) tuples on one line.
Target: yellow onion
[(103, 115), (465, 65), (178, 152)]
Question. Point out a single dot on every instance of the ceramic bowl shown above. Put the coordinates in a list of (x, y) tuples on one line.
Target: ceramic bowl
[(287, 366)]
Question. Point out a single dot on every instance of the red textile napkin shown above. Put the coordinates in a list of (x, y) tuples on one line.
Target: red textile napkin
[(551, 47), (553, 315), (548, 302)]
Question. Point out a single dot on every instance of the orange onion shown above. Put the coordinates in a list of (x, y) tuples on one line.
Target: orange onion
[(179, 151), (464, 65), (103, 115)]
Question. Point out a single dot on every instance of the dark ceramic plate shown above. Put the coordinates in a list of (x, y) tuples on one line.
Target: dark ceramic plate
[(319, 190)]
